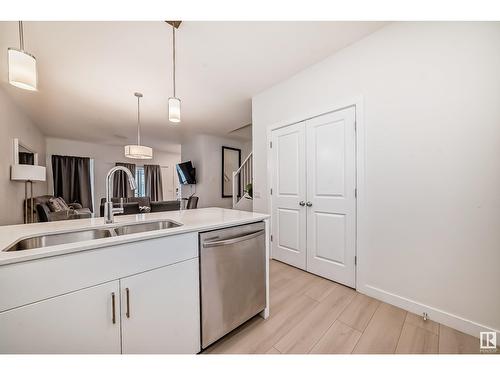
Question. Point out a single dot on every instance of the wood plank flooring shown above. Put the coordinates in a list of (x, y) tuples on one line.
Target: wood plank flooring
[(310, 314)]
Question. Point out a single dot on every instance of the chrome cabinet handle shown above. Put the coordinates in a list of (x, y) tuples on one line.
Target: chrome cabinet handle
[(234, 240), (127, 314), (309, 204), (113, 310), (302, 203)]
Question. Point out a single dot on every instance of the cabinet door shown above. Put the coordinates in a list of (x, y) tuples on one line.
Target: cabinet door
[(161, 310), (289, 195), (331, 201), (77, 322)]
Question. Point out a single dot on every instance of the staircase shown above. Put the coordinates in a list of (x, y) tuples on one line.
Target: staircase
[(244, 174)]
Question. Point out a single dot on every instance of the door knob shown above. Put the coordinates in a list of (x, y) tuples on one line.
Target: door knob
[(302, 203), (309, 204)]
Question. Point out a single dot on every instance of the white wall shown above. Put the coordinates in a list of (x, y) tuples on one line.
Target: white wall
[(15, 124), (431, 216), (105, 157), (205, 151), (246, 149)]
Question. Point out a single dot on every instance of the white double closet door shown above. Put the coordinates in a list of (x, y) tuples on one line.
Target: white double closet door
[(313, 195)]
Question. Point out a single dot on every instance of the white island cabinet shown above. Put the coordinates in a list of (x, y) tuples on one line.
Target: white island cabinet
[(160, 310), (77, 322), (138, 297)]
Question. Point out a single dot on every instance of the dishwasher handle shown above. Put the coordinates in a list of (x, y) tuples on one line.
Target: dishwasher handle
[(233, 240)]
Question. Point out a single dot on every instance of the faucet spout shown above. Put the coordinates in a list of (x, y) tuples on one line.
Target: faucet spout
[(109, 210), (132, 183)]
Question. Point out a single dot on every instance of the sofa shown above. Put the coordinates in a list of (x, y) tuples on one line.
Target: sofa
[(139, 205), (45, 212)]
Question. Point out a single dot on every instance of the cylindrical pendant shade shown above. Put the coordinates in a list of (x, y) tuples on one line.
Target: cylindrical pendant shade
[(22, 69), (138, 152), (174, 110)]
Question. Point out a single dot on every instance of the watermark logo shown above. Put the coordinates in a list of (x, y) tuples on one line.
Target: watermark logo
[(488, 342)]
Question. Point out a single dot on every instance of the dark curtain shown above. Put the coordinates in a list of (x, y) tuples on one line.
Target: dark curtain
[(152, 182), (72, 180), (26, 158), (121, 187)]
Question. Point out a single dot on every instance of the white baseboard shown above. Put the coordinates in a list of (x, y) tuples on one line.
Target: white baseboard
[(450, 320)]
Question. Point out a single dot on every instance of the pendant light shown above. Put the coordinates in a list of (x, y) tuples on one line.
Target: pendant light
[(137, 151), (22, 65), (174, 103)]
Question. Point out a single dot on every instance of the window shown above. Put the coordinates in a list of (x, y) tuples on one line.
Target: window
[(139, 179)]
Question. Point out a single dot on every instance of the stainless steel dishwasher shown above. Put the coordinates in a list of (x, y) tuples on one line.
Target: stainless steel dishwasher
[(233, 278)]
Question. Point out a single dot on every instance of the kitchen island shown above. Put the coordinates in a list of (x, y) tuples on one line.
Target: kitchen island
[(123, 292)]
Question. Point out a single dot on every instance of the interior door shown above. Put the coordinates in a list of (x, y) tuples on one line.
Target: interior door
[(161, 310), (331, 199), (167, 178), (75, 323), (289, 195)]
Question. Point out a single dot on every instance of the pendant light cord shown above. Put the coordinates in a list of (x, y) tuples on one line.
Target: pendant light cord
[(138, 122), (21, 36), (173, 56)]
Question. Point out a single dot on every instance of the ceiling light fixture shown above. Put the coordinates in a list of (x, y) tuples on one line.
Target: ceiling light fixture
[(174, 103), (22, 65), (137, 151)]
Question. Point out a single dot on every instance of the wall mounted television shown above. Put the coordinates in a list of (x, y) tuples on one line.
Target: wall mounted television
[(186, 173)]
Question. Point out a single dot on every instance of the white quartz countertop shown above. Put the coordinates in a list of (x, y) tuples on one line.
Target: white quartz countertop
[(197, 220)]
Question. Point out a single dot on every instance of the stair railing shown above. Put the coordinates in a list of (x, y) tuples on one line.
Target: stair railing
[(244, 175)]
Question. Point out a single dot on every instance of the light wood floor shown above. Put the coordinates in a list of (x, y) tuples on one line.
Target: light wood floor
[(310, 314)]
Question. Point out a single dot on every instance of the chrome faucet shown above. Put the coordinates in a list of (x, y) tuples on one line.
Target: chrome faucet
[(109, 210)]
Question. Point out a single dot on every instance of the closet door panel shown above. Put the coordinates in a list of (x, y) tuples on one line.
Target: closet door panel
[(288, 195), (331, 202)]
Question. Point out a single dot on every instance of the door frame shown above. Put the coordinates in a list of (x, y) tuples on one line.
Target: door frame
[(358, 104)]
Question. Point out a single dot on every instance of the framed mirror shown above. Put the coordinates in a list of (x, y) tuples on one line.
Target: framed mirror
[(231, 160), (23, 154)]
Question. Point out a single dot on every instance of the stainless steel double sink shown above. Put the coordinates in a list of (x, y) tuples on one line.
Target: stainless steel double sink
[(45, 240)]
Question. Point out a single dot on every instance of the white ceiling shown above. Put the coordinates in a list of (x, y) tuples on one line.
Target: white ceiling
[(88, 72)]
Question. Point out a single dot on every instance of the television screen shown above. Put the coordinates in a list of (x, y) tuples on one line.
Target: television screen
[(186, 173)]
